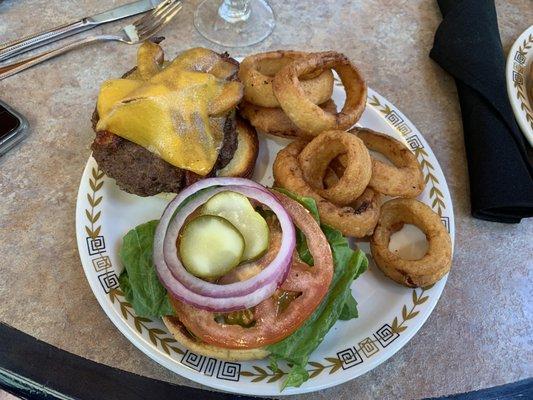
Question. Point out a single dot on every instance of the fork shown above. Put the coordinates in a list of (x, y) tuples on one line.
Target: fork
[(139, 31)]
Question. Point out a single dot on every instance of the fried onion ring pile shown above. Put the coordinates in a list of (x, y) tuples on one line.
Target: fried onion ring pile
[(287, 93), (257, 71), (412, 273), (305, 114), (404, 178), (356, 220), (317, 155), (271, 325)]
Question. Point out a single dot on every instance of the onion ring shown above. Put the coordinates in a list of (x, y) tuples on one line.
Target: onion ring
[(205, 295), (405, 178), (271, 327), (274, 121), (356, 221), (330, 177), (319, 152), (256, 72), (412, 273), (308, 116)]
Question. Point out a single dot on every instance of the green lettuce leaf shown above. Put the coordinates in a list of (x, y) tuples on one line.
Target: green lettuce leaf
[(349, 311), (338, 303), (139, 281), (340, 243), (297, 348)]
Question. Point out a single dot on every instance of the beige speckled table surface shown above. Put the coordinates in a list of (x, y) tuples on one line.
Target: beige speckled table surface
[(480, 333)]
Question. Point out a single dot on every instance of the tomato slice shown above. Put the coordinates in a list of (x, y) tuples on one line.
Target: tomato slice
[(270, 325)]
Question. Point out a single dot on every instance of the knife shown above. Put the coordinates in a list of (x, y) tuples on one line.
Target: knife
[(16, 47)]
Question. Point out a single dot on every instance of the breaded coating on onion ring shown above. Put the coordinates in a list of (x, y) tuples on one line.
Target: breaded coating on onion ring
[(412, 273), (308, 116), (358, 220)]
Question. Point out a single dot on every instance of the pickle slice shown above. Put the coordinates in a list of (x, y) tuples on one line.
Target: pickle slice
[(238, 210), (210, 246)]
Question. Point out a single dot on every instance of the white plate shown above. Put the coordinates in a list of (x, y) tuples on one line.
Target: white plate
[(519, 78), (390, 314)]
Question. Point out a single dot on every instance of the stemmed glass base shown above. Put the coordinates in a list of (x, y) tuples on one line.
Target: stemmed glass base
[(220, 24)]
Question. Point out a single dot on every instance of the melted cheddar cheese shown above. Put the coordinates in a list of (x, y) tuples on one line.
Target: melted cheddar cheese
[(169, 113)]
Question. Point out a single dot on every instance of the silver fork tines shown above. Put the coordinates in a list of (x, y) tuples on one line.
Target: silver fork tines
[(152, 22)]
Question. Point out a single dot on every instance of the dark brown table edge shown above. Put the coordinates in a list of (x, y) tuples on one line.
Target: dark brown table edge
[(33, 369)]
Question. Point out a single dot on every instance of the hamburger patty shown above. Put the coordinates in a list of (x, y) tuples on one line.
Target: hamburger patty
[(135, 169), (138, 171)]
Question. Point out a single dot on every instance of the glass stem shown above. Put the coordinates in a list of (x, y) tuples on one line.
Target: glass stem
[(234, 10)]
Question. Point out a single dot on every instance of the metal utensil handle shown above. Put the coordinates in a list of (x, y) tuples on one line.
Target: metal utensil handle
[(16, 67), (15, 47)]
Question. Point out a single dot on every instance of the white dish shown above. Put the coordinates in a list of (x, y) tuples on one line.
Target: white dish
[(519, 79), (389, 314)]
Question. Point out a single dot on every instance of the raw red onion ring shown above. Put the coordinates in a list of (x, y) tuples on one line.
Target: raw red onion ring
[(194, 291)]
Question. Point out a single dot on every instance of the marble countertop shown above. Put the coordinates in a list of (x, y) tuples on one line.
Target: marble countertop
[(480, 332)]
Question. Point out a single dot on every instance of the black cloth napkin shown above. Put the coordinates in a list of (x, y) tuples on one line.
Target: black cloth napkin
[(467, 45)]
